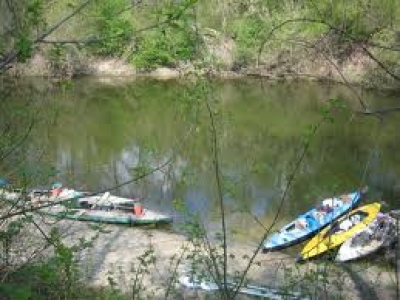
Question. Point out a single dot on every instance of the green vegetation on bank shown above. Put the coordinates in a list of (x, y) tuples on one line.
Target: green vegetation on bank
[(270, 37), (278, 36)]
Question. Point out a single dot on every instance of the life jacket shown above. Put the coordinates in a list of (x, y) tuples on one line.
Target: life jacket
[(56, 191), (138, 210)]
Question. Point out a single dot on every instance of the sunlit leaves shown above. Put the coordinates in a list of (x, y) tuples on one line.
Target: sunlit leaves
[(113, 28)]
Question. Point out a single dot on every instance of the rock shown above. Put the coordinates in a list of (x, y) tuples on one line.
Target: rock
[(111, 67), (164, 73)]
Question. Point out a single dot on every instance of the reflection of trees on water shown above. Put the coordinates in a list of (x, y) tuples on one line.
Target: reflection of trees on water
[(104, 132)]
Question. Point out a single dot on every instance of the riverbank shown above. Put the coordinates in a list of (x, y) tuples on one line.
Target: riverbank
[(357, 69), (125, 258)]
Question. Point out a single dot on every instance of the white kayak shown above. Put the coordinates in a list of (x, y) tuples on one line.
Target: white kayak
[(59, 193), (378, 234), (250, 290), (85, 199), (101, 200), (10, 195)]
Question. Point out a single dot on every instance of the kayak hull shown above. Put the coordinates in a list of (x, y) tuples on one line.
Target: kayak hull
[(336, 234), (103, 216), (378, 234), (314, 222)]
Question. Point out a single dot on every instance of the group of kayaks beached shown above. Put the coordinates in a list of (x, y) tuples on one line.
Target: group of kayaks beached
[(337, 222), (66, 203)]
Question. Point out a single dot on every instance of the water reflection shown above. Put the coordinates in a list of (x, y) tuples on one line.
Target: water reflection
[(104, 132)]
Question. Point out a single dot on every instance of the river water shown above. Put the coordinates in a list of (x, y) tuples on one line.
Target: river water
[(99, 133)]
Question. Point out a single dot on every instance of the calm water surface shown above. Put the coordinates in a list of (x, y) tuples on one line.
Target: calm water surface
[(103, 132)]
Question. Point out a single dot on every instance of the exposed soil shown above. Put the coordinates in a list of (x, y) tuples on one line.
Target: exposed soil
[(116, 253)]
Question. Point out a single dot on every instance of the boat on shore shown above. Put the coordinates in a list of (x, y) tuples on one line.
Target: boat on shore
[(66, 203), (102, 208), (58, 194), (112, 216), (310, 223), (192, 282), (380, 233), (339, 231), (85, 199)]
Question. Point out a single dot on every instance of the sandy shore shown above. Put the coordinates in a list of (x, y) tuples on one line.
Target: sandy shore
[(116, 251)]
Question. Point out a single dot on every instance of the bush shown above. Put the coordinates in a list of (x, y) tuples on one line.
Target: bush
[(359, 21), (173, 41), (166, 47), (248, 33), (113, 28)]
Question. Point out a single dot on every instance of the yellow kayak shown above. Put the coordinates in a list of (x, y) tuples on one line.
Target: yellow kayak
[(341, 230)]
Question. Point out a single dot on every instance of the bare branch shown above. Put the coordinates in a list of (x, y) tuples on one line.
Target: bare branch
[(382, 111), (13, 54), (343, 32), (380, 64), (280, 207), (20, 142), (135, 179), (220, 195)]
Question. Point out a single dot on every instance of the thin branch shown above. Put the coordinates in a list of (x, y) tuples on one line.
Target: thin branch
[(383, 47), (346, 82), (382, 111), (276, 28), (59, 24), (32, 209), (13, 54), (220, 194), (363, 104), (20, 142), (137, 178), (322, 22), (175, 272), (11, 8), (280, 207), (92, 40), (380, 64)]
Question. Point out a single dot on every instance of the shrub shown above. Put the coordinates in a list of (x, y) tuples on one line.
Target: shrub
[(113, 28), (166, 47), (248, 33)]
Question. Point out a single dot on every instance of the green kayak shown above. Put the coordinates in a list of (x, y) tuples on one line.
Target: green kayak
[(107, 216)]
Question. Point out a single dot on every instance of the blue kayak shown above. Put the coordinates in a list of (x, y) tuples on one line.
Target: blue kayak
[(310, 223)]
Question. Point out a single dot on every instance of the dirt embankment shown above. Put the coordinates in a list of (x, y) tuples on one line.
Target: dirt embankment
[(327, 61)]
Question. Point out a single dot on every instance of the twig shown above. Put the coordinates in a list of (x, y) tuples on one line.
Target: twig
[(220, 195), (280, 207)]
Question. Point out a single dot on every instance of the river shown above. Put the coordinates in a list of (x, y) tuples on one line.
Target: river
[(99, 133)]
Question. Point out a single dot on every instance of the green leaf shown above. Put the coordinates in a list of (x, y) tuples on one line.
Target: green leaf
[(24, 47)]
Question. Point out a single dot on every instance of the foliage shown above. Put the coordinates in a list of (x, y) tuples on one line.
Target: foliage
[(28, 19), (359, 21), (173, 41), (44, 281), (24, 46), (35, 11), (112, 26), (248, 33), (58, 62), (166, 47)]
